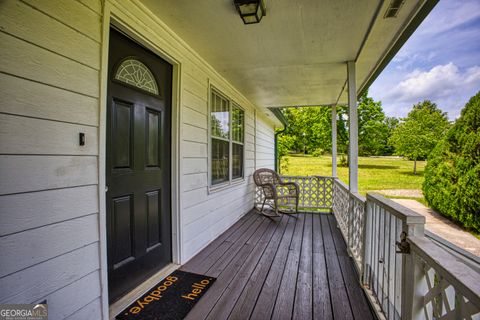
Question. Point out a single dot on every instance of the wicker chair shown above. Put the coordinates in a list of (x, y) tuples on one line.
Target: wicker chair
[(279, 192)]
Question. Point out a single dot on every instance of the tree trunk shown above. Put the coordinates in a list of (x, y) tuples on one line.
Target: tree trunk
[(415, 166)]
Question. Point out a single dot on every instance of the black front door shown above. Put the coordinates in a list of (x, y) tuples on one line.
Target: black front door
[(138, 164)]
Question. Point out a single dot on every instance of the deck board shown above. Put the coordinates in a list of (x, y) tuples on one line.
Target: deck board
[(286, 292), (303, 306), (358, 301), (215, 244), (322, 307), (262, 306), (338, 292), (226, 303), (235, 257), (282, 268)]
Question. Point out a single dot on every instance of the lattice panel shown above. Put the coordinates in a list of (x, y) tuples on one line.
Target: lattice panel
[(315, 192), (340, 207), (441, 300), (357, 221), (349, 211), (259, 197)]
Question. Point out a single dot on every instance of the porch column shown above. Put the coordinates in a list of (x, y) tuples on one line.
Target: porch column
[(353, 128), (334, 141)]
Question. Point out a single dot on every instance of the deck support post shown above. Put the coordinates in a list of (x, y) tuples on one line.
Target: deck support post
[(334, 141), (353, 128)]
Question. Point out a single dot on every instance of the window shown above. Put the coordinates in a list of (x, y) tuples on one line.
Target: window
[(227, 126), (133, 72)]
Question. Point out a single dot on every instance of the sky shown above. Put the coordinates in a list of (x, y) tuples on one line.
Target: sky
[(440, 62)]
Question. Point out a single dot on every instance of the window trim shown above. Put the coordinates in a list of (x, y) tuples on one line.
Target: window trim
[(231, 182)]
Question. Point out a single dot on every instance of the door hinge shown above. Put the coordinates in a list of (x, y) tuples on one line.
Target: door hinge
[(403, 245)]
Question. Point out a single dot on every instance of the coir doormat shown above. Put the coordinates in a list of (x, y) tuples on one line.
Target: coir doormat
[(172, 298)]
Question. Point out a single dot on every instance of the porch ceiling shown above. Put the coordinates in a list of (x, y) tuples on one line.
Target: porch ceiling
[(297, 54)]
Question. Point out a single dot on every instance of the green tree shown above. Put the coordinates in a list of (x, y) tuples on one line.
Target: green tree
[(310, 129), (284, 145), (452, 174), (373, 128), (392, 123), (418, 133)]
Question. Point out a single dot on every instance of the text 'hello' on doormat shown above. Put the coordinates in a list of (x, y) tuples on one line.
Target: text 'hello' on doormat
[(172, 298)]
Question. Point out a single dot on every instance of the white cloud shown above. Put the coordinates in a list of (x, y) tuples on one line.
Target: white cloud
[(442, 81), (446, 85), (451, 15), (440, 62)]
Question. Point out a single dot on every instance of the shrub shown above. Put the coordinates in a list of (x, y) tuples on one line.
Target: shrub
[(318, 152), (452, 174)]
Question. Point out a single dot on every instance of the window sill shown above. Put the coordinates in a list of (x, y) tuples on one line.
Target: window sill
[(226, 185)]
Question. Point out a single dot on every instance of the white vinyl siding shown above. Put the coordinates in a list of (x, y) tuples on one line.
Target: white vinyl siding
[(265, 144), (49, 83)]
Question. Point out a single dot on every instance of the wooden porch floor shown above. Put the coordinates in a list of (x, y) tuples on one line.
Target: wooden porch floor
[(287, 268)]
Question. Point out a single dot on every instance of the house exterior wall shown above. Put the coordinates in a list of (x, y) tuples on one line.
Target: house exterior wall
[(49, 212), (265, 144), (52, 217)]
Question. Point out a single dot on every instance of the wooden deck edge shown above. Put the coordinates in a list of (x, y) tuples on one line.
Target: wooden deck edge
[(373, 303)]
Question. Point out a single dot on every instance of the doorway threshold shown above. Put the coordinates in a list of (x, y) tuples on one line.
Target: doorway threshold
[(140, 290)]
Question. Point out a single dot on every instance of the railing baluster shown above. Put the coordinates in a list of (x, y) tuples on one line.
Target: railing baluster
[(349, 221), (398, 271), (372, 260), (381, 251), (366, 253), (376, 234), (386, 260), (391, 268)]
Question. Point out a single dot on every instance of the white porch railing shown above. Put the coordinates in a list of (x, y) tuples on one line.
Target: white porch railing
[(440, 285), (406, 274), (386, 223), (349, 210), (316, 192)]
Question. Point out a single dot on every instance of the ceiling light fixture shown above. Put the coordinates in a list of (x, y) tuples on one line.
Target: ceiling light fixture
[(251, 11)]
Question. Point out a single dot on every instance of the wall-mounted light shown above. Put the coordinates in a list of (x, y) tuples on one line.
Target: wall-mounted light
[(251, 11)]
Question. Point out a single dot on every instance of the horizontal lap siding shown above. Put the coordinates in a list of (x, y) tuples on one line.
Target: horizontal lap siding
[(49, 84), (90, 311), (265, 144), (206, 214)]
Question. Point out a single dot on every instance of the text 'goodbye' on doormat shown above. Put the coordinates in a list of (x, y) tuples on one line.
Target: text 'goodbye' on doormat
[(172, 298)]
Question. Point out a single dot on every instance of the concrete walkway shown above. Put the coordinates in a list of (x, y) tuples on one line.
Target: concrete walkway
[(443, 227), (414, 193)]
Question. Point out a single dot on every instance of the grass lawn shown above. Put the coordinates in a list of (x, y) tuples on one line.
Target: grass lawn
[(373, 173)]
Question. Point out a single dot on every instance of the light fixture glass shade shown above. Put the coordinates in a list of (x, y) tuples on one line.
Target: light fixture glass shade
[(250, 19), (251, 11), (248, 8)]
